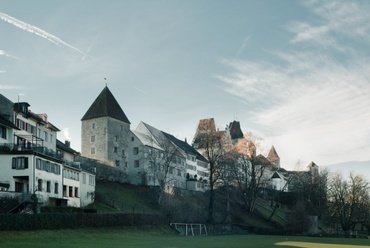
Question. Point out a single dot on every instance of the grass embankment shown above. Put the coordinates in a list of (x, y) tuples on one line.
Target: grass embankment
[(125, 198), (160, 237)]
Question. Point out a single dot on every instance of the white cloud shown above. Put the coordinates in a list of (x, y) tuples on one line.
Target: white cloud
[(313, 105), (335, 18)]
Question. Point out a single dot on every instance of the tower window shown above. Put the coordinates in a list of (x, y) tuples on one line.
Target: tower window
[(93, 126), (136, 150), (92, 138), (92, 150)]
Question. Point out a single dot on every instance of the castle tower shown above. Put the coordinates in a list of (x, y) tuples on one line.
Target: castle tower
[(236, 132), (105, 131), (314, 172), (273, 157)]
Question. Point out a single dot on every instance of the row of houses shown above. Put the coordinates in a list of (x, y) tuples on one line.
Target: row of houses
[(33, 160)]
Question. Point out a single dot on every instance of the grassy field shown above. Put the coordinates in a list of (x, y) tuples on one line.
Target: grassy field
[(164, 237)]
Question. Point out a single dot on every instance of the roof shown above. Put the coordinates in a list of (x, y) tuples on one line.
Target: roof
[(185, 147), (161, 139), (105, 105), (272, 153), (7, 123), (146, 140), (64, 147), (235, 130), (204, 126), (312, 164)]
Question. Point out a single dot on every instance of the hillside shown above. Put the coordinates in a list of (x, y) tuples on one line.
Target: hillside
[(126, 198)]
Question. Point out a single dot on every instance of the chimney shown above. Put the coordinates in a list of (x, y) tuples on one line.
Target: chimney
[(67, 143)]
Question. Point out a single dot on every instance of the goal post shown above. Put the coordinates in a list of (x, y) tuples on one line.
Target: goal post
[(190, 229)]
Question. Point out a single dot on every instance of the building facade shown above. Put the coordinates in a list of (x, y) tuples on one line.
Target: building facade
[(29, 159)]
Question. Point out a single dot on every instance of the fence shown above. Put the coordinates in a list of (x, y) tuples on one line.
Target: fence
[(75, 220)]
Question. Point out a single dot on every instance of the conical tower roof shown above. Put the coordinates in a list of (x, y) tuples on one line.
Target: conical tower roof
[(105, 105), (272, 153)]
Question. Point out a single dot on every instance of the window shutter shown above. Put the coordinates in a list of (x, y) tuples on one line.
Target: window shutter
[(25, 162), (14, 163)]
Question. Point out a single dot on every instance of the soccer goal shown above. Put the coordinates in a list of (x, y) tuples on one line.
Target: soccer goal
[(190, 229)]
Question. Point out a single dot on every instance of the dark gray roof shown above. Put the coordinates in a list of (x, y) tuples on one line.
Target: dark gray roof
[(7, 123), (105, 105), (64, 147), (235, 130), (185, 147)]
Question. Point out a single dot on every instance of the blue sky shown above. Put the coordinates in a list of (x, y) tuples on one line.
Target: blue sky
[(294, 73)]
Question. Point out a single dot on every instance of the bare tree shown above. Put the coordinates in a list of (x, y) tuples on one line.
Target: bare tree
[(249, 170), (347, 198), (163, 159), (213, 145)]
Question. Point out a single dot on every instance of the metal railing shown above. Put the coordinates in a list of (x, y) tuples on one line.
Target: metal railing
[(30, 148)]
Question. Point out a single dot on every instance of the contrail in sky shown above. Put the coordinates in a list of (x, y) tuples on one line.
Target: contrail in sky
[(35, 30), (3, 53)]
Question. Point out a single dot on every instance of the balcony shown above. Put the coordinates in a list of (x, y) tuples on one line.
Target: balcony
[(9, 147)]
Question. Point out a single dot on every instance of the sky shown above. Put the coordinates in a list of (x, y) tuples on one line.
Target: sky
[(294, 73)]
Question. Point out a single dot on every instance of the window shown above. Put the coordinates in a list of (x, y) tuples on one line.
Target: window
[(51, 138), (115, 138), (93, 126), (38, 163), (179, 173), (118, 163), (76, 192), (20, 163), (92, 138), (123, 152), (115, 149), (48, 186), (2, 132), (70, 191), (132, 138), (136, 163), (39, 185), (84, 178), (92, 150), (64, 190), (121, 128), (56, 188), (136, 150), (45, 136), (91, 180)]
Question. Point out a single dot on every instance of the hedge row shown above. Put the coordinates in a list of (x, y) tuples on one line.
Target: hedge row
[(75, 220)]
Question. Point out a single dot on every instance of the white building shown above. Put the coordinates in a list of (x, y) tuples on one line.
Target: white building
[(154, 158), (29, 157)]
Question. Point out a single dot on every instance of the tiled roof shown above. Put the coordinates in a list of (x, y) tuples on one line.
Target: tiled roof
[(204, 126), (105, 105)]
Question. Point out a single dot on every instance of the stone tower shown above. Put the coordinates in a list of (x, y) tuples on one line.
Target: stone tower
[(105, 131)]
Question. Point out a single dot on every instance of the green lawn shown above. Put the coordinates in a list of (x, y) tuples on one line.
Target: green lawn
[(149, 237)]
